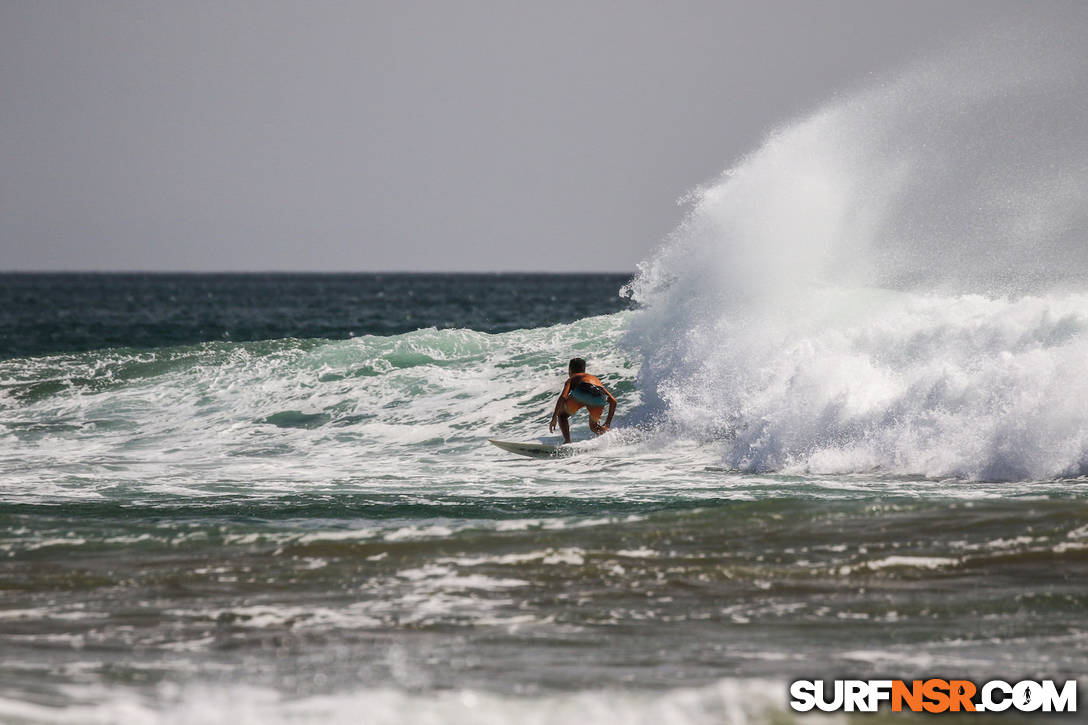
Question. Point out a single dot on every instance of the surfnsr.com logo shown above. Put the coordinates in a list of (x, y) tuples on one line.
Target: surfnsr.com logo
[(933, 695)]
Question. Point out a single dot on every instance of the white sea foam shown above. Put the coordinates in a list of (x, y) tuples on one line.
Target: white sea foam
[(727, 702), (640, 553), (443, 579), (889, 286), (565, 555), (277, 616), (923, 562)]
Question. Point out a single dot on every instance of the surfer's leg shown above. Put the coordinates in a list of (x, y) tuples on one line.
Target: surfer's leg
[(595, 420), (572, 406), (564, 425)]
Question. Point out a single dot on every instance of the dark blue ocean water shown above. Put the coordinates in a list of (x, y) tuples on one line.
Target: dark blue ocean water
[(49, 313)]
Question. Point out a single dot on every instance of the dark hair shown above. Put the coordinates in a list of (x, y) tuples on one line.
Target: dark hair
[(577, 365)]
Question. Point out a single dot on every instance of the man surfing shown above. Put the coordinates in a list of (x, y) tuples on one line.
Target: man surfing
[(582, 390)]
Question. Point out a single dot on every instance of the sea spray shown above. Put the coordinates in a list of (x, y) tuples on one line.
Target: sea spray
[(895, 283)]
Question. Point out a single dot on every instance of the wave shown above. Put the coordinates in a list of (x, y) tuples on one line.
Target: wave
[(290, 410), (898, 282)]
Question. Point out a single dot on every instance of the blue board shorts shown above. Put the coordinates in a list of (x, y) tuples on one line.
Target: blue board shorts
[(589, 395)]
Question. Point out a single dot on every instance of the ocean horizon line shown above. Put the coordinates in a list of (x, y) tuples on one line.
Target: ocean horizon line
[(341, 273)]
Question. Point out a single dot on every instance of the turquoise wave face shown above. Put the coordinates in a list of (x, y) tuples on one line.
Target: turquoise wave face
[(408, 406)]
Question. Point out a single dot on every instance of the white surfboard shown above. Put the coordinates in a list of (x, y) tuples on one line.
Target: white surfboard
[(534, 450)]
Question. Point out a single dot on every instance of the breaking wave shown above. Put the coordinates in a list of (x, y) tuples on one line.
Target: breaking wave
[(897, 282)]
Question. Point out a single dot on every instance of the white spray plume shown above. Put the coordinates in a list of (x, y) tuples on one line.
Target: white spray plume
[(896, 282)]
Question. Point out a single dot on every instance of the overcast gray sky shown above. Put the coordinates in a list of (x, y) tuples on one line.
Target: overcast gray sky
[(435, 136)]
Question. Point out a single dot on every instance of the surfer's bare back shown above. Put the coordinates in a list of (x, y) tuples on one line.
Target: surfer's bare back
[(582, 390)]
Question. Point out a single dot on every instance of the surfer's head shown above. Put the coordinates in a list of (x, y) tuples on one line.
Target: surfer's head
[(577, 365)]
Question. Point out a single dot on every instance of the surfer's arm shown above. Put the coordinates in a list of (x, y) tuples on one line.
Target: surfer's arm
[(611, 408), (559, 407)]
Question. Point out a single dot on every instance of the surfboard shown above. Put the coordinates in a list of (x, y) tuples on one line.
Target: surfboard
[(534, 450)]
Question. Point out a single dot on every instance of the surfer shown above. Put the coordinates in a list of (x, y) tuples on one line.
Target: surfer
[(582, 390)]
